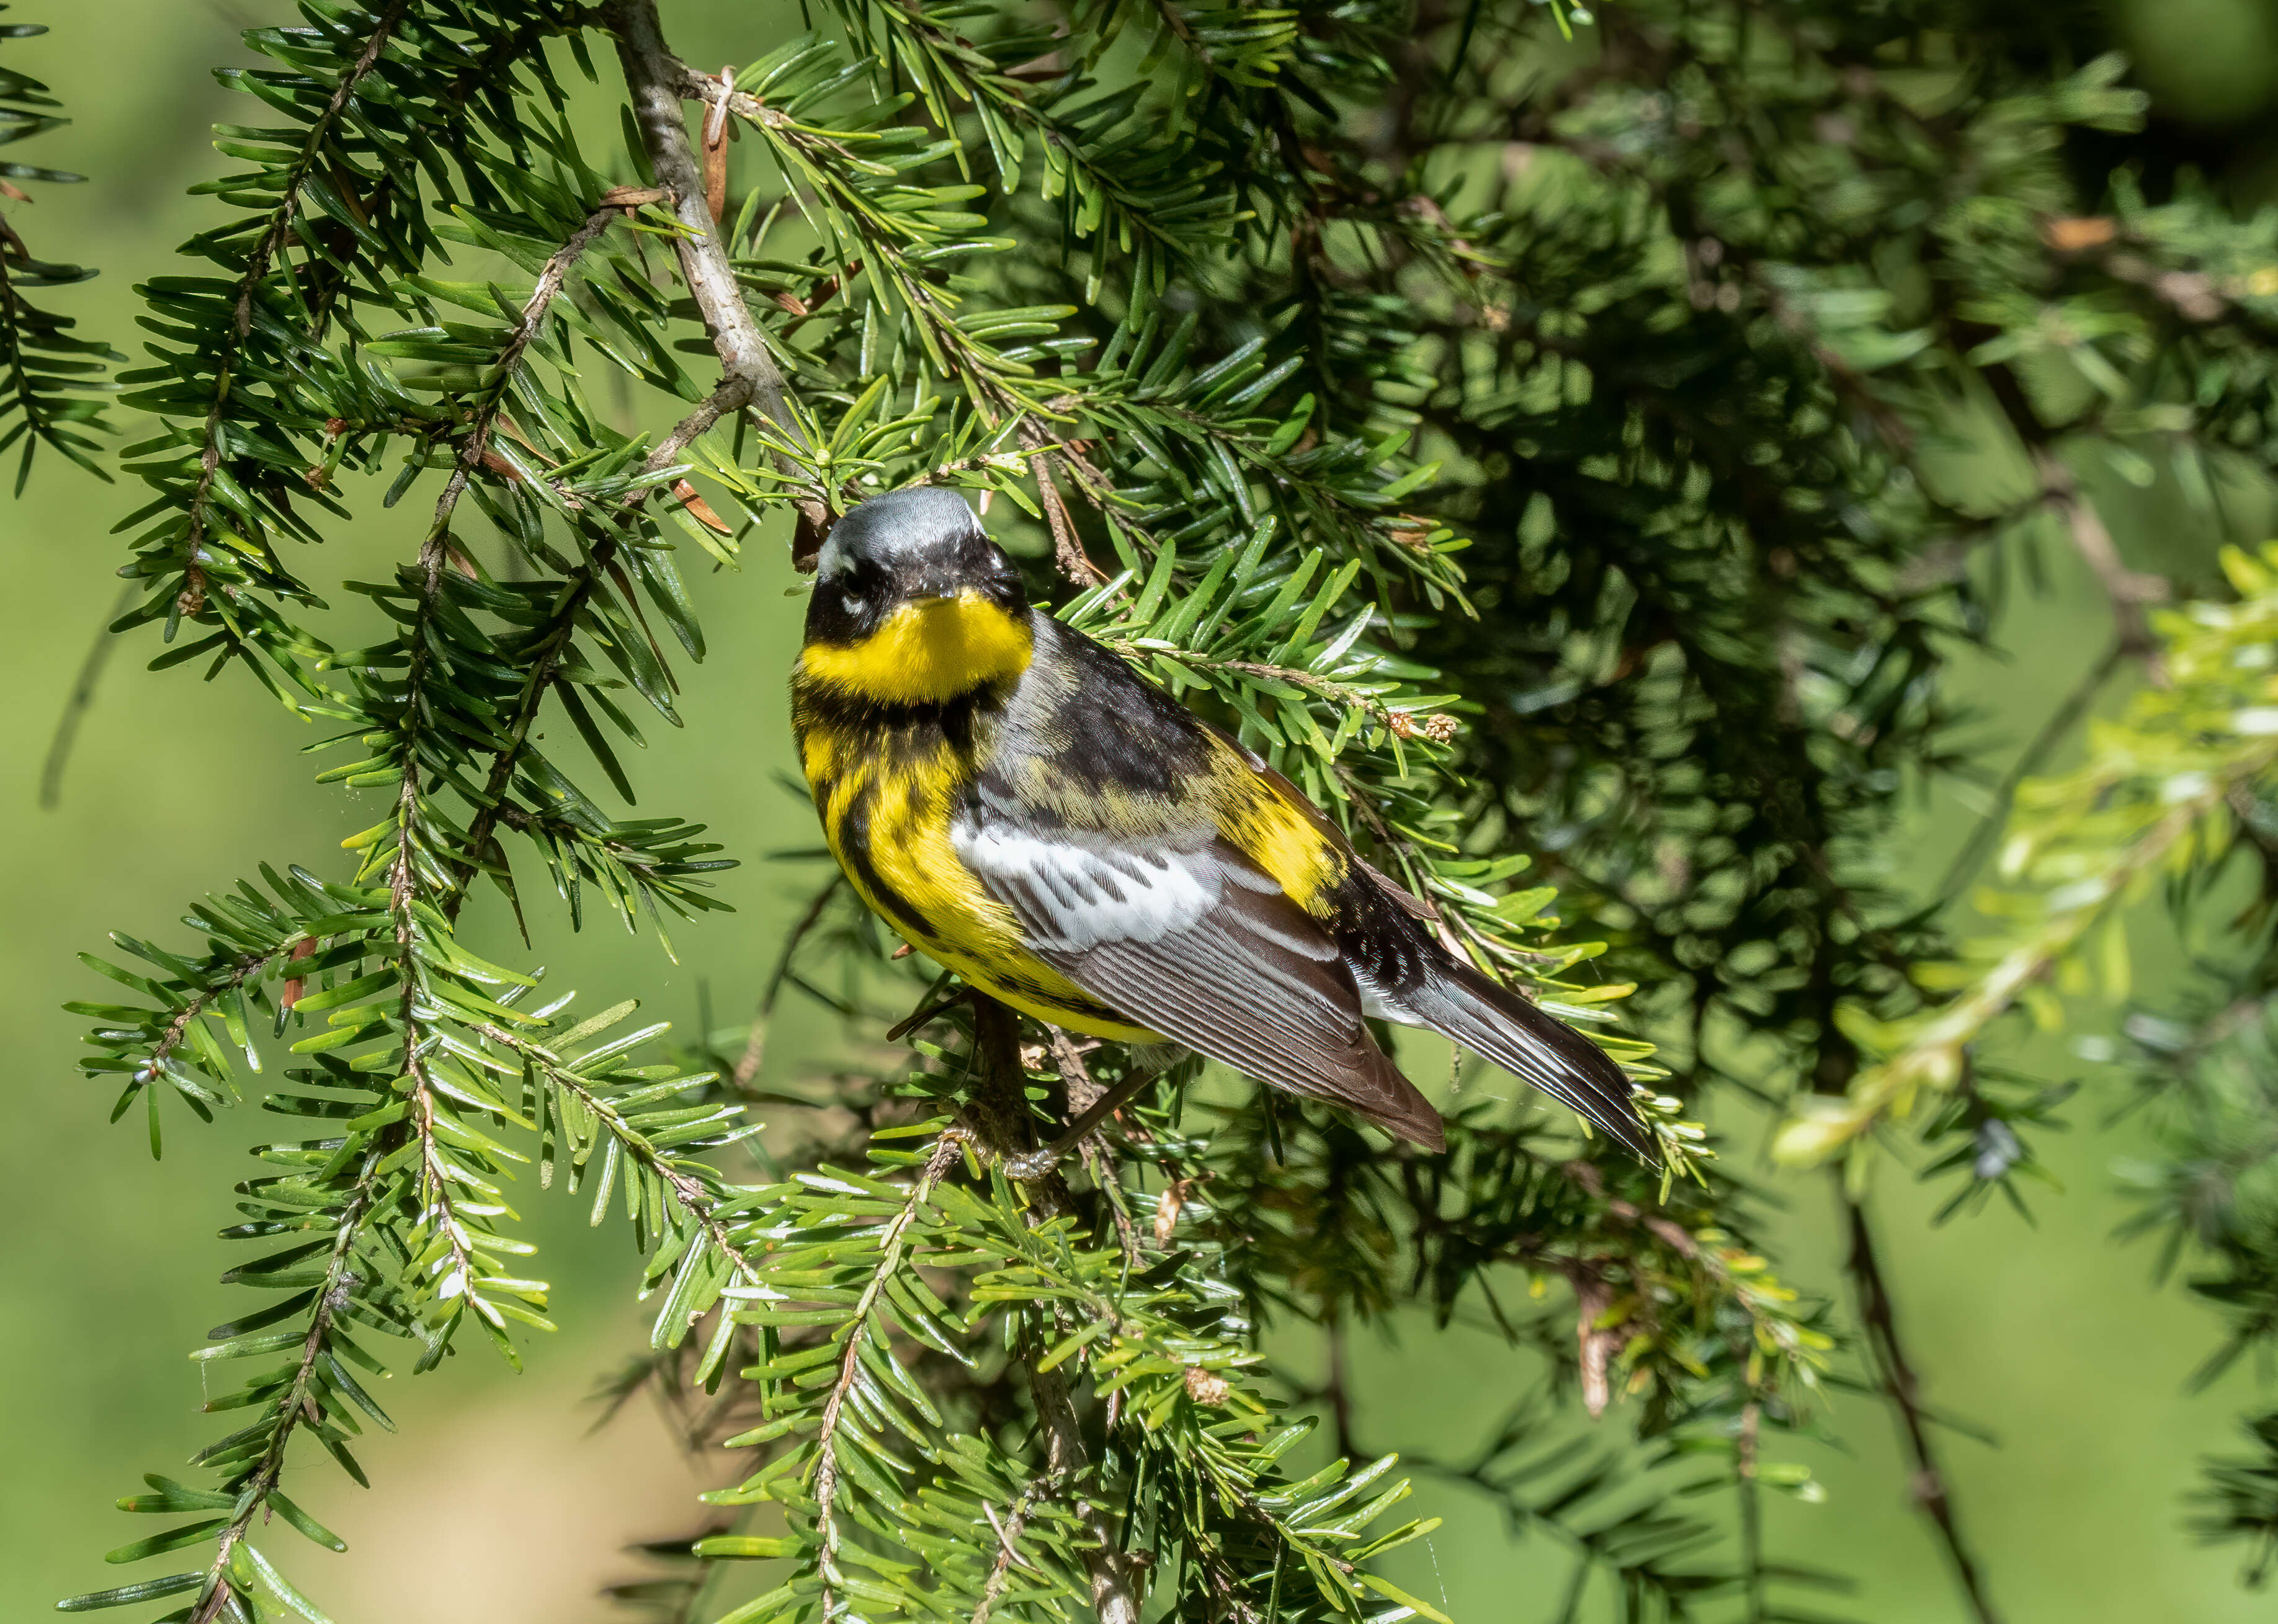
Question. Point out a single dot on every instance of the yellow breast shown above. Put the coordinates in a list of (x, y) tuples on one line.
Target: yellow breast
[(886, 796)]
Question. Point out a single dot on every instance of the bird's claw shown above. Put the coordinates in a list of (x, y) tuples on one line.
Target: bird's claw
[(1033, 1165)]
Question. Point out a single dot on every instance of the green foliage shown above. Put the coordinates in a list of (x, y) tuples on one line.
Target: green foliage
[(2154, 800), (866, 1449), (2173, 791), (50, 381), (2242, 1499), (1567, 470)]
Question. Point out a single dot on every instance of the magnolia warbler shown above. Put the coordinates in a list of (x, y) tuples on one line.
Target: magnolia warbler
[(1026, 809)]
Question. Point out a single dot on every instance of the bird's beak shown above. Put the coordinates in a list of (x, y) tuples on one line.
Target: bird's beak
[(934, 586)]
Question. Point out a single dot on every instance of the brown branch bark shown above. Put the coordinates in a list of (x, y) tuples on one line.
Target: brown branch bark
[(1067, 546), (1000, 1121), (1879, 1318), (658, 81), (652, 76)]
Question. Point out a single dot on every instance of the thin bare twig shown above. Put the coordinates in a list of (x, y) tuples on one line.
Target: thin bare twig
[(1879, 1318), (755, 1044), (2127, 591), (1084, 1092), (1337, 1390), (1008, 1540), (77, 701), (749, 378)]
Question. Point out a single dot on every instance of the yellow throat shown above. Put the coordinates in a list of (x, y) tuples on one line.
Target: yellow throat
[(927, 651)]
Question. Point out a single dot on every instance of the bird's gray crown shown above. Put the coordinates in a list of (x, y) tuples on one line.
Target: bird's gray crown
[(899, 529)]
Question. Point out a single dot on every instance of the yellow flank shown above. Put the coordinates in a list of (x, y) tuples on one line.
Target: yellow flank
[(926, 652), (905, 869)]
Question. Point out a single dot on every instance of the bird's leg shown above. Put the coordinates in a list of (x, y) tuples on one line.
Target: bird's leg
[(1039, 1164)]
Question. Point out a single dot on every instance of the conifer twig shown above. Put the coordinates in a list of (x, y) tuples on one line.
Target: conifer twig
[(827, 1468), (525, 330), (294, 1405), (244, 969), (273, 238), (749, 377), (406, 879)]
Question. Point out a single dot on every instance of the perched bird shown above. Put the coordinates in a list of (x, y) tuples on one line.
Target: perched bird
[(1017, 803)]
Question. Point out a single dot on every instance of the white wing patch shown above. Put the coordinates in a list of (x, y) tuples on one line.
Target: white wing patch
[(1075, 896)]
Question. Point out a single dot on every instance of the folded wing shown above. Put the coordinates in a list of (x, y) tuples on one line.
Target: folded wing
[(1199, 945)]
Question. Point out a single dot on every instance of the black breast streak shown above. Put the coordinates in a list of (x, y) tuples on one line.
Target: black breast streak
[(853, 835), (819, 704)]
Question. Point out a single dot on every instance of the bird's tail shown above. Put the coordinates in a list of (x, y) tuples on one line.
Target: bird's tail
[(1459, 1003)]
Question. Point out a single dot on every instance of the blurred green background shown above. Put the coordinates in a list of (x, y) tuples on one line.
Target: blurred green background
[(497, 1501)]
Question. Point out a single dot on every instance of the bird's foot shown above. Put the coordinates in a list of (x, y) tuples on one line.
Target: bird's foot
[(1033, 1166)]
